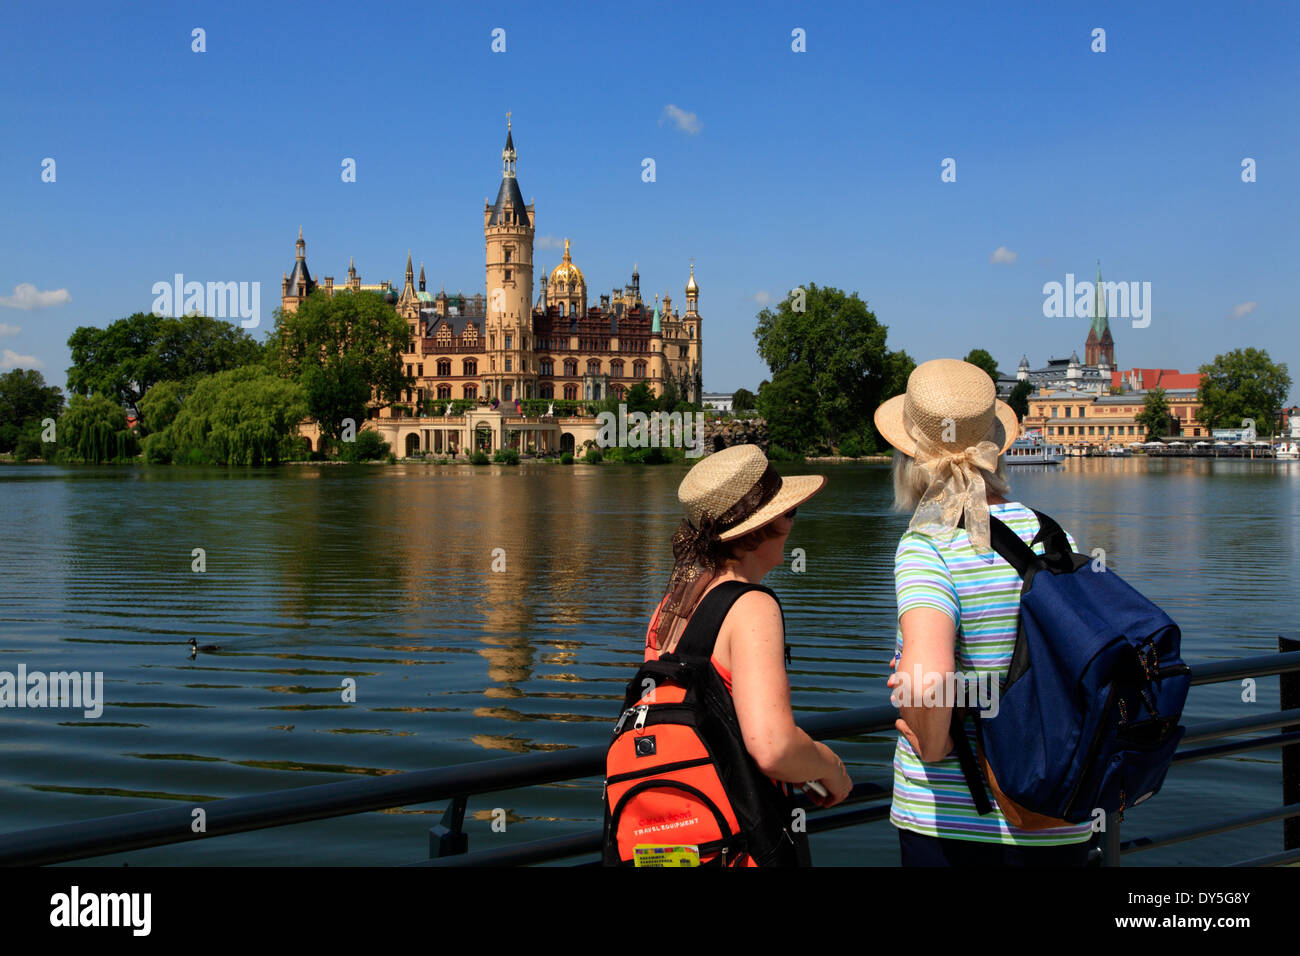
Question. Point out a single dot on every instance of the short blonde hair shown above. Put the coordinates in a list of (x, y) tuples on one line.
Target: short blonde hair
[(911, 480)]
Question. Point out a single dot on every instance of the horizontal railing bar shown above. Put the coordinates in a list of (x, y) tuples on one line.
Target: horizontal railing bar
[(1273, 859), (1213, 729), (1191, 833), (1237, 747), (1263, 665), (147, 828)]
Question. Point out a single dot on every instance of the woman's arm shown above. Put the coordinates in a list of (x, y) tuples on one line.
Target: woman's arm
[(761, 692), (929, 641)]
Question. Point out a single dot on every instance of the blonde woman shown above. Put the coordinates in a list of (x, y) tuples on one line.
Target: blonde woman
[(958, 606)]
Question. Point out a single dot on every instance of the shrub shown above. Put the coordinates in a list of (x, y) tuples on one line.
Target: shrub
[(777, 453), (593, 457), (566, 458), (368, 446), (478, 458), (506, 456)]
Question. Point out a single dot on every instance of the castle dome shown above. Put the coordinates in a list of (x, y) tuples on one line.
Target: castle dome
[(691, 287), (566, 272)]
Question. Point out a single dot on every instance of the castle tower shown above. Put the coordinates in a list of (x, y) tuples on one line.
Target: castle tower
[(694, 343), (298, 284), (567, 288), (508, 228)]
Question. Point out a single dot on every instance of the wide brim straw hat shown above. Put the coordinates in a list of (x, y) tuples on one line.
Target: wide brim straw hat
[(950, 402), (740, 491)]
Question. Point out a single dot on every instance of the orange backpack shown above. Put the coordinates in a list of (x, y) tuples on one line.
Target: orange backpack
[(678, 773)]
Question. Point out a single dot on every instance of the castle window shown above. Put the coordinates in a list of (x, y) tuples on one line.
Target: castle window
[(570, 367), (469, 367), (638, 369), (546, 390), (470, 391), (508, 368), (509, 393), (509, 340), (546, 366), (444, 367), (507, 279), (570, 392), (509, 254), (593, 366), (444, 391), (616, 368), (419, 370)]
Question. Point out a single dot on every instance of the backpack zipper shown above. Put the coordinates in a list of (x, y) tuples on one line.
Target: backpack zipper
[(1093, 746)]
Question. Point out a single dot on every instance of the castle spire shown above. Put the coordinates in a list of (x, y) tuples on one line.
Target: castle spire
[(302, 246), (421, 276), (410, 273), (508, 154)]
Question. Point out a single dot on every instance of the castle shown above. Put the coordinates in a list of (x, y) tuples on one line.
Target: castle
[(508, 346)]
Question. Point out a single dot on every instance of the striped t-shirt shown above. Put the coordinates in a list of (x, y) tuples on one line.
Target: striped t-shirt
[(981, 593)]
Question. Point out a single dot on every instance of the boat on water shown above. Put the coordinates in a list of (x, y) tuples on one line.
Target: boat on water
[(1287, 451), (1031, 449)]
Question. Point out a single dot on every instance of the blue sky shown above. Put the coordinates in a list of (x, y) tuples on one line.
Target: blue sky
[(773, 168)]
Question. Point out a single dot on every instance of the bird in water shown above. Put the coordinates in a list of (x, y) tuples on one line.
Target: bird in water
[(195, 647)]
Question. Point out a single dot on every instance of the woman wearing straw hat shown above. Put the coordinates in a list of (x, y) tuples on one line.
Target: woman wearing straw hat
[(739, 512), (958, 607)]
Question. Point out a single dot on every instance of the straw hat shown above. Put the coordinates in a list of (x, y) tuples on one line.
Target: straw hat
[(950, 402), (741, 491)]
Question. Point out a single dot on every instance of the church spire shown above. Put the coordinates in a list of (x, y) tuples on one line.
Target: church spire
[(302, 246), (421, 276), (508, 154)]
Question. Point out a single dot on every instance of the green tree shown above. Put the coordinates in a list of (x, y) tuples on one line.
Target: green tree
[(985, 361), (640, 398), (1155, 417), (245, 416), (1019, 399), (93, 429), (344, 351), (368, 446), (743, 400), (789, 404), (131, 355), (25, 401), (670, 397), (841, 347), (1243, 383), (161, 404)]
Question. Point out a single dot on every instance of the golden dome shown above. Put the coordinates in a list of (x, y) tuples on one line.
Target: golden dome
[(567, 272), (691, 287)]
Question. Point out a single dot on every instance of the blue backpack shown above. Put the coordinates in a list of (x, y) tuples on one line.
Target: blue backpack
[(1088, 711)]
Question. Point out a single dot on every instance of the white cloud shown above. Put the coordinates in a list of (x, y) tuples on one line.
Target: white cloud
[(7, 330), (1003, 255), (27, 296), (548, 242), (1244, 309), (684, 121), (12, 359), (762, 297)]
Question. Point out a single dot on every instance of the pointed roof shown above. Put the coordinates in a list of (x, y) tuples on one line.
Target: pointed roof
[(509, 190), (300, 281), (1100, 323), (655, 325)]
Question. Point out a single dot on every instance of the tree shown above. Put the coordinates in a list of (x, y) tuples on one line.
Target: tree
[(1241, 384), (985, 361), (345, 351), (789, 404), (25, 402), (1019, 399), (244, 416), (131, 355), (1155, 417), (641, 399), (841, 347), (743, 400), (670, 397), (93, 429)]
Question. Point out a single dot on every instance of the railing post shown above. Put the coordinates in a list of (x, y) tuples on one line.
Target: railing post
[(1289, 685), (447, 838), (1110, 841)]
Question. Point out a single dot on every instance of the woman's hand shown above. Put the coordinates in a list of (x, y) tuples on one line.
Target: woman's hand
[(838, 783)]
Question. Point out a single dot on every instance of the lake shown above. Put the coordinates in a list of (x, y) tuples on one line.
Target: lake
[(384, 574)]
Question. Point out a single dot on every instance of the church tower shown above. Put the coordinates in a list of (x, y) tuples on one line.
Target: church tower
[(1099, 349), (508, 229), (694, 344)]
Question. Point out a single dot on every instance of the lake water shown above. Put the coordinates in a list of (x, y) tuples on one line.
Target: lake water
[(384, 574)]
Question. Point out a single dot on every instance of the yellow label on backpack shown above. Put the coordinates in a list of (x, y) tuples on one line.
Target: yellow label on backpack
[(652, 854)]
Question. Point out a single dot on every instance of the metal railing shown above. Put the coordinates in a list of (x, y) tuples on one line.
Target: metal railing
[(868, 802)]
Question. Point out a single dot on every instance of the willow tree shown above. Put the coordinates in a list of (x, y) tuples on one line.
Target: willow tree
[(246, 416), (93, 429)]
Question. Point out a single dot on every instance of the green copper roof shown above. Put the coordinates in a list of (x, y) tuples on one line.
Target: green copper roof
[(426, 296), (654, 322), (1099, 320)]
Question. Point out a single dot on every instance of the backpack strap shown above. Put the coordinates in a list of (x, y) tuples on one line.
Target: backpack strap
[(969, 768), (701, 632)]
